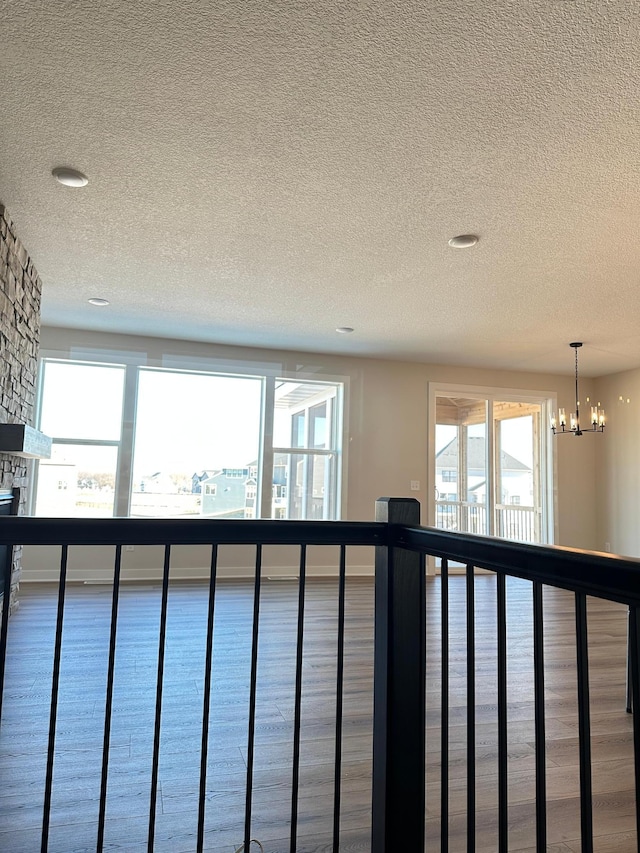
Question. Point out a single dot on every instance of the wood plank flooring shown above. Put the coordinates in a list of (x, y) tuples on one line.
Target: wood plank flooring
[(23, 736)]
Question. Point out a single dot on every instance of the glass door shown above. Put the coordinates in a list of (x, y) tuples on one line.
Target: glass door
[(462, 473), (490, 467), (518, 499)]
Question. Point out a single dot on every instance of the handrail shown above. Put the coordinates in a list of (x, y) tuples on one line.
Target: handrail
[(590, 572), (159, 531)]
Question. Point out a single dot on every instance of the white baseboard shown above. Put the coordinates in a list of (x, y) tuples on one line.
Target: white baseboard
[(201, 573), (148, 575)]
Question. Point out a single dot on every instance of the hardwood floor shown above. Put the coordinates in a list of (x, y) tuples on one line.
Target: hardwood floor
[(23, 737)]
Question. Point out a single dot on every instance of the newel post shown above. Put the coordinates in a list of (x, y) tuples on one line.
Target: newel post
[(399, 688)]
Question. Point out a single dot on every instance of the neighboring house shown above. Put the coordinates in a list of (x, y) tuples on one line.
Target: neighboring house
[(279, 499), (516, 477), (198, 478), (250, 497), (461, 493), (224, 494), (233, 492), (280, 495)]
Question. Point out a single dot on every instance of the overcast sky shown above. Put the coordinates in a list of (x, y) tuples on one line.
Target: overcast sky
[(185, 422)]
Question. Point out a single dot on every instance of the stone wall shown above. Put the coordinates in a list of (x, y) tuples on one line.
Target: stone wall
[(20, 290)]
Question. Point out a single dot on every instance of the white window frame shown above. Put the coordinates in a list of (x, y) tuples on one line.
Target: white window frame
[(79, 442), (134, 363), (330, 392)]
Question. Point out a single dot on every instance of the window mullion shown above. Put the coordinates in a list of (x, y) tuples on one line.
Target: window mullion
[(492, 474), (328, 511), (124, 470), (266, 452), (307, 461)]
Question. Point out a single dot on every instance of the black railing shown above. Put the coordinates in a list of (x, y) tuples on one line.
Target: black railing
[(170, 534), (402, 648), (584, 574)]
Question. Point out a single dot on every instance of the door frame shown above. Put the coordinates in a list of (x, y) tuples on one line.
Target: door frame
[(547, 401)]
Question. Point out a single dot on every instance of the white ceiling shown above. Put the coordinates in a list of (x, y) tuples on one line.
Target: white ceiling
[(263, 172)]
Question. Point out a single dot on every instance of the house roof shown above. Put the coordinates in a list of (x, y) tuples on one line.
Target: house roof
[(210, 479), (447, 458), (223, 473), (261, 174)]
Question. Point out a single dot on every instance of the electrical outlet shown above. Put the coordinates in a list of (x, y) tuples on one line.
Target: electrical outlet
[(607, 547), (129, 547), (415, 485)]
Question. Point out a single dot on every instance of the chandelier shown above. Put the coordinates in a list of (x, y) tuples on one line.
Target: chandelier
[(596, 420)]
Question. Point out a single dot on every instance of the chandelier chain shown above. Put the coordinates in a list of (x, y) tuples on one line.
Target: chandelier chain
[(577, 398)]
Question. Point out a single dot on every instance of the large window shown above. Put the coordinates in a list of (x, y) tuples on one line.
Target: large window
[(151, 442), (81, 408), (194, 430)]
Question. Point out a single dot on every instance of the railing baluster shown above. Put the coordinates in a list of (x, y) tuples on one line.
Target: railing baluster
[(159, 686), (109, 698), (538, 680), (444, 707), (206, 701), (298, 702), (471, 714), (252, 698), (4, 628), (634, 675), (584, 727), (503, 755), (337, 784), (55, 683)]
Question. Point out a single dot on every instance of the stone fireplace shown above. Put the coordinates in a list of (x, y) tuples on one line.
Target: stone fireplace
[(20, 291)]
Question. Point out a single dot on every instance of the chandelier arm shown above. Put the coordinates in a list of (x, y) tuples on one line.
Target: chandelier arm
[(588, 431)]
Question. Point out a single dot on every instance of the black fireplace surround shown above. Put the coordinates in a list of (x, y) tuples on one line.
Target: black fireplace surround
[(8, 506)]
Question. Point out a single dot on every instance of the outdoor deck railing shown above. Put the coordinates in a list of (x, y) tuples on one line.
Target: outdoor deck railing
[(518, 523), (398, 807)]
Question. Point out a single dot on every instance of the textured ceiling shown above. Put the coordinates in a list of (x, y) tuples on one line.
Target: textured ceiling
[(263, 172)]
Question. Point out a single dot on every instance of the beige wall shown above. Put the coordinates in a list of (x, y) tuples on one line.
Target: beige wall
[(618, 464), (387, 442)]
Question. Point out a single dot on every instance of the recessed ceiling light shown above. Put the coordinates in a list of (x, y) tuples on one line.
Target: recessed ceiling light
[(344, 330), (69, 177), (463, 241), (95, 300)]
